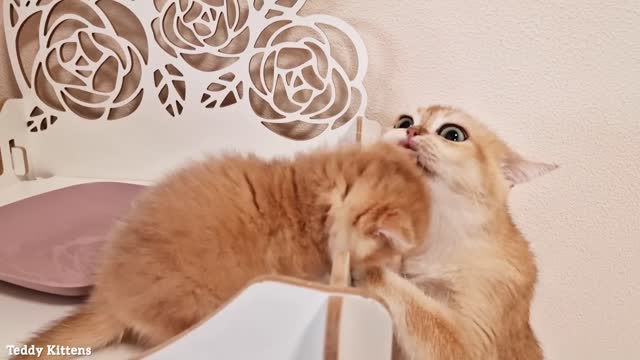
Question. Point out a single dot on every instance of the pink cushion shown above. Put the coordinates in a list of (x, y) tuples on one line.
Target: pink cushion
[(50, 242)]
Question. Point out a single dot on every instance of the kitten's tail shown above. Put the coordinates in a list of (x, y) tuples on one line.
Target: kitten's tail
[(85, 330)]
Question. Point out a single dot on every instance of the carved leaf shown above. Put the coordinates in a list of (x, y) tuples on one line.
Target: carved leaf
[(226, 91), (39, 121), (171, 88)]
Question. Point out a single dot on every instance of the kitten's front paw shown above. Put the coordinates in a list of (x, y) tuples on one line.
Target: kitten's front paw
[(374, 273), (395, 264), (368, 277)]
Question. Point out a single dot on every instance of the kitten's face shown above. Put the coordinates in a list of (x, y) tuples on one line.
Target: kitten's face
[(458, 150)]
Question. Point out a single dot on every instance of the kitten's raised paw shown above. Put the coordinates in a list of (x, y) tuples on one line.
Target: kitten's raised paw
[(367, 277)]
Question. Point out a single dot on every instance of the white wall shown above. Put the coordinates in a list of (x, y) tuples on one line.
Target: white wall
[(560, 80)]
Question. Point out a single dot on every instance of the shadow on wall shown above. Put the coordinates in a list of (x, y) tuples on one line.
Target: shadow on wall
[(382, 31)]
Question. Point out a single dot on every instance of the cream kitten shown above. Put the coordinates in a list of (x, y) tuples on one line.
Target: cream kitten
[(467, 295), (198, 237)]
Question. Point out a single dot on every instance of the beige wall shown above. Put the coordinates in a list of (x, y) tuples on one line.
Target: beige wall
[(560, 80)]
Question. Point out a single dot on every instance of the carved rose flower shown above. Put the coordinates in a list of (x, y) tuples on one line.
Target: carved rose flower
[(295, 75), (208, 35), (83, 65)]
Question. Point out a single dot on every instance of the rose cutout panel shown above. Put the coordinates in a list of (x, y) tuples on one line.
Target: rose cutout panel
[(101, 60)]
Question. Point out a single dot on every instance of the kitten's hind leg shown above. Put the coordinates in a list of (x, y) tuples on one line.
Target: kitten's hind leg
[(167, 308), (424, 328)]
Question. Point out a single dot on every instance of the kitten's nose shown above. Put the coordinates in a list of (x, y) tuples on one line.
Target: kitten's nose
[(414, 131)]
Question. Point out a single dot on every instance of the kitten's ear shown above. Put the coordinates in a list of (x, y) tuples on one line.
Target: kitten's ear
[(396, 229), (517, 170)]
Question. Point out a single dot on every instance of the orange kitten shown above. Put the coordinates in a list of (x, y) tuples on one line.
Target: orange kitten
[(467, 295), (195, 239)]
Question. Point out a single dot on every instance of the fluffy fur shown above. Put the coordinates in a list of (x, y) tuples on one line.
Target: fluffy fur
[(467, 294), (195, 239)]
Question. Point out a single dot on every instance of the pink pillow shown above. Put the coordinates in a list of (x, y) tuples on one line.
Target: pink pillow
[(50, 242)]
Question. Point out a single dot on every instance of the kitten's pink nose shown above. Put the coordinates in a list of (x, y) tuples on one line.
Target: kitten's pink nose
[(414, 131)]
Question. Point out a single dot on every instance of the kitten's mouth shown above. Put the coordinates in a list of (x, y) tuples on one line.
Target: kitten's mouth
[(407, 144), (422, 163)]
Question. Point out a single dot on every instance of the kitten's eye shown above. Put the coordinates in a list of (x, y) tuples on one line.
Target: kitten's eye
[(404, 122), (453, 133)]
